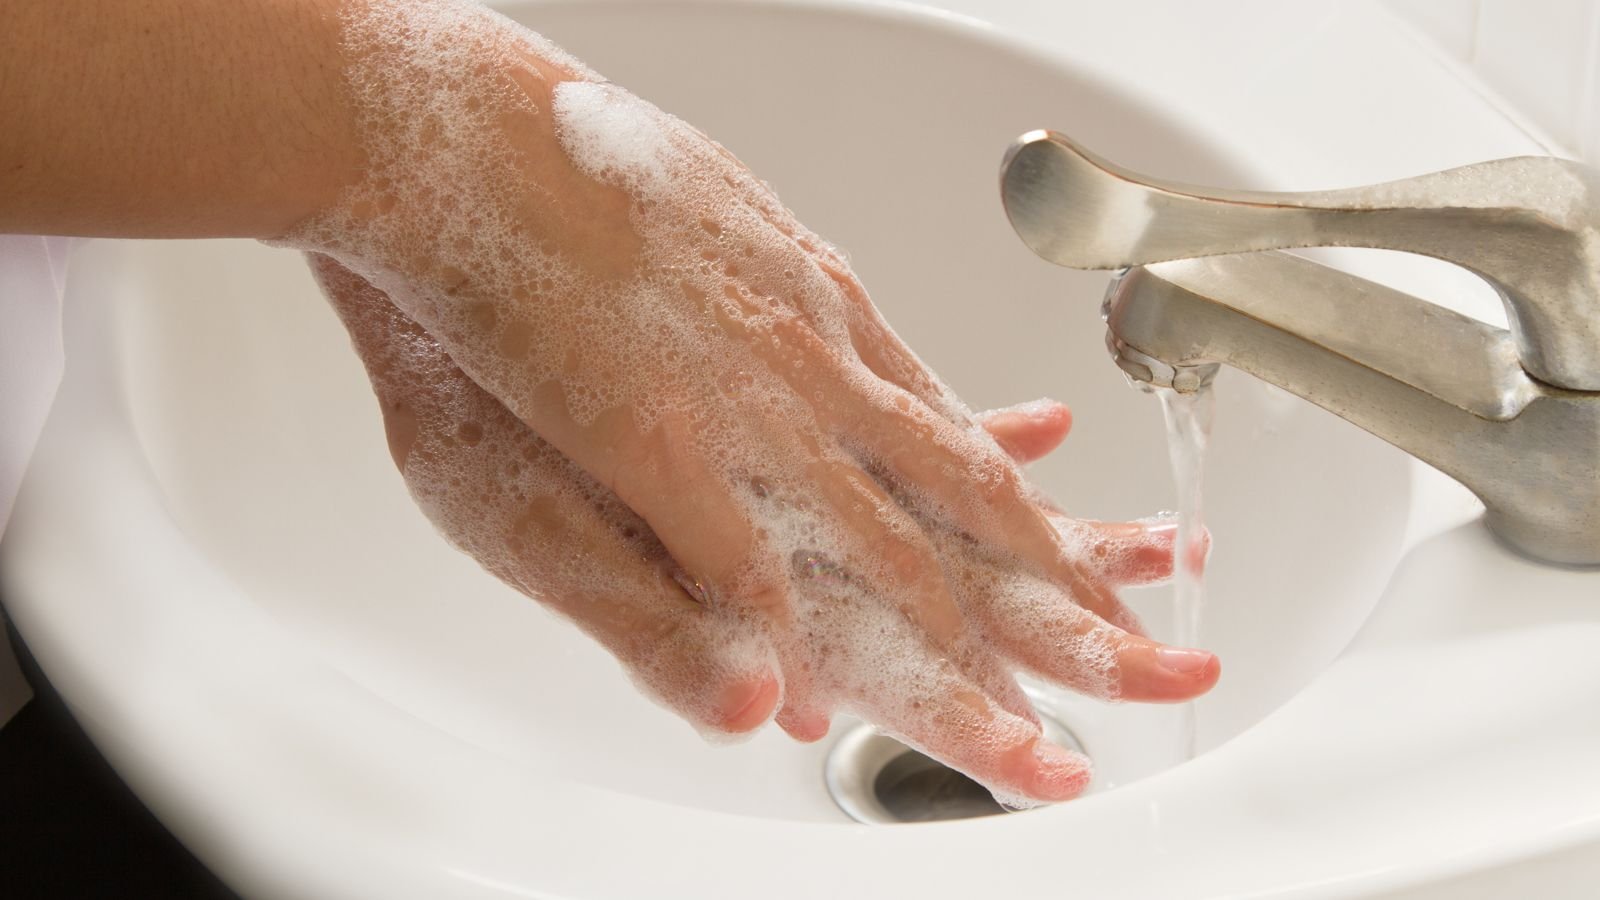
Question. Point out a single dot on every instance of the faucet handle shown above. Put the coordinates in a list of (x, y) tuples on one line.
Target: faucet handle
[(1530, 226)]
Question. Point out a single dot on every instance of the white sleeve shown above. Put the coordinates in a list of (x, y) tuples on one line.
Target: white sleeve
[(32, 278)]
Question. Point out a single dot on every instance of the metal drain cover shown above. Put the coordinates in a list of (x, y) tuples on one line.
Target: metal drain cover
[(878, 780)]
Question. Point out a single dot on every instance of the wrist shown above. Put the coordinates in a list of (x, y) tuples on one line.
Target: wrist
[(311, 149)]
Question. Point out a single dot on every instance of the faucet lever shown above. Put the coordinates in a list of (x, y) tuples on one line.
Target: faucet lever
[(1530, 226)]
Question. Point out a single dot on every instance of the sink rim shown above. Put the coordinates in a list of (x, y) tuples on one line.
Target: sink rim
[(459, 852)]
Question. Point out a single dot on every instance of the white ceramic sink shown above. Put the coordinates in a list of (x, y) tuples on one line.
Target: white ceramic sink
[(218, 567)]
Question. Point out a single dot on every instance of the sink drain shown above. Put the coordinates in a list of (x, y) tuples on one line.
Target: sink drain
[(878, 780)]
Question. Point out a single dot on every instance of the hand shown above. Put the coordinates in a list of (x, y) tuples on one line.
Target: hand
[(538, 514)]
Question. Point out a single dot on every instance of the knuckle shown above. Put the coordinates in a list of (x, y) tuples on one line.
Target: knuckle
[(756, 580)]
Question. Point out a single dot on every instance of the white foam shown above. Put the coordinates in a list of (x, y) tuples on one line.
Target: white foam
[(607, 132)]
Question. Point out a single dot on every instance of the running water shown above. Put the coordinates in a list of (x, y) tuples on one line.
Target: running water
[(1188, 430)]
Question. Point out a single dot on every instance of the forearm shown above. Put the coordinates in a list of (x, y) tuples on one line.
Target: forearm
[(171, 118)]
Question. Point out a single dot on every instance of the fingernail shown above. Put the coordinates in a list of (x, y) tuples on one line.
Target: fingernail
[(1184, 662), (1062, 773)]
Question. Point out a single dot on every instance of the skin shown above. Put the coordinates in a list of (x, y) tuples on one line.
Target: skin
[(171, 118), (197, 119)]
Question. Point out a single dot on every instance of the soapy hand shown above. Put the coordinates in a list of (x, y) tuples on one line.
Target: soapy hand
[(549, 529), (618, 372)]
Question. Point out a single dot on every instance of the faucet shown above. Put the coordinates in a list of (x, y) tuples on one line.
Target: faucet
[(1513, 414)]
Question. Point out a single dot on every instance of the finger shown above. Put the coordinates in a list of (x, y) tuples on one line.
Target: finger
[(1130, 554), (881, 350), (1152, 672), (1028, 431), (972, 483), (715, 672), (975, 489), (1047, 635), (861, 533), (701, 515), (998, 682), (888, 551), (914, 443), (954, 722), (462, 452), (959, 704), (804, 722), (1005, 510), (808, 703), (1041, 630)]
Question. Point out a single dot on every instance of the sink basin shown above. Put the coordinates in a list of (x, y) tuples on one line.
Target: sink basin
[(216, 564)]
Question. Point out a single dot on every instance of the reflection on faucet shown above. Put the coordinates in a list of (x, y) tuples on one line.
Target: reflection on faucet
[(1453, 391)]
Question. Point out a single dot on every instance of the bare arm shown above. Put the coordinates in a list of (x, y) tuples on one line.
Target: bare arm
[(171, 118)]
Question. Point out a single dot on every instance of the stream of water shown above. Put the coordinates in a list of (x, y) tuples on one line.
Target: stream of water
[(1188, 431)]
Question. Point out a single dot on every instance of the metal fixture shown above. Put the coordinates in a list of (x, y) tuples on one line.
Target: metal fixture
[(1513, 415)]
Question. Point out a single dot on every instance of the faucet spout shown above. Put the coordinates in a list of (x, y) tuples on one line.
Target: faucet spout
[(1529, 226), (1444, 387)]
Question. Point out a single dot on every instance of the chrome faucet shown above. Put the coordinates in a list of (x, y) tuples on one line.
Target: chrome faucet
[(1512, 415)]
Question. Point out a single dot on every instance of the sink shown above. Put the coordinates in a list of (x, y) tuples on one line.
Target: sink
[(218, 567)]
